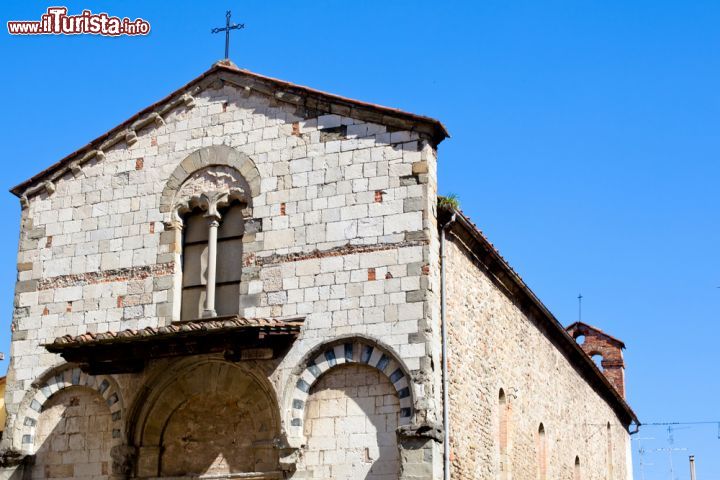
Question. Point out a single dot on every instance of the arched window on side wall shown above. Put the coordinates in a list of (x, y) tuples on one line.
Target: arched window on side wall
[(504, 435), (577, 475), (197, 232), (609, 453), (542, 452)]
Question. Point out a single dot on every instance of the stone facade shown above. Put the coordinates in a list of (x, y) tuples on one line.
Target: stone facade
[(338, 225)]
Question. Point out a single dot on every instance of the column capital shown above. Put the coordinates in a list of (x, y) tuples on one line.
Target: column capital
[(211, 202)]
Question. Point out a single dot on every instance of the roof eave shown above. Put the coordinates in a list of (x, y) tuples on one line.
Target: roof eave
[(566, 342)]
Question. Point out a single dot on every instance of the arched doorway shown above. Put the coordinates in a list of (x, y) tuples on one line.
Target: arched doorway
[(207, 419)]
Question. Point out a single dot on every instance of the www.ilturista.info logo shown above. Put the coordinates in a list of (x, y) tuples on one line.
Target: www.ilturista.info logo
[(57, 22)]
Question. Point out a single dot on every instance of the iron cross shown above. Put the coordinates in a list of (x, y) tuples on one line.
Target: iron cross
[(580, 297), (228, 27)]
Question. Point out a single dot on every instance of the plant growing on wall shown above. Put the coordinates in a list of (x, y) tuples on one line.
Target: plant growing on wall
[(449, 201)]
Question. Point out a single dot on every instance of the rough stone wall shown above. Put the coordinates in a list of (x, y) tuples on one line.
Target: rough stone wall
[(220, 432), (351, 418), (342, 235), (74, 436), (492, 346)]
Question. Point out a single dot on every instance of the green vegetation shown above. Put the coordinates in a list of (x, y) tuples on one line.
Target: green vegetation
[(449, 201)]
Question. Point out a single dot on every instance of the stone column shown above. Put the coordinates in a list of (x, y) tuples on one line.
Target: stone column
[(210, 203), (211, 269)]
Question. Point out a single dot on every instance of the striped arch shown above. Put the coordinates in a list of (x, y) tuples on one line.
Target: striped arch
[(351, 350), (56, 380)]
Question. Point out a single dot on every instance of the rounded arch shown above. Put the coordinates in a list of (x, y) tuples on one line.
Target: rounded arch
[(348, 350), (598, 359), (51, 382), (193, 383), (148, 408), (216, 155)]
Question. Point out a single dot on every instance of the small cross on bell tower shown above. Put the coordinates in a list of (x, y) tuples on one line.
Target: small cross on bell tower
[(226, 29)]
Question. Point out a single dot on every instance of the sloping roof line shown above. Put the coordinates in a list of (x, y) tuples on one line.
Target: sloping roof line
[(208, 325), (572, 326), (516, 288), (296, 94)]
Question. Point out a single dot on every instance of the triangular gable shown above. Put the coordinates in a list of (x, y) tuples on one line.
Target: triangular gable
[(314, 102), (582, 327)]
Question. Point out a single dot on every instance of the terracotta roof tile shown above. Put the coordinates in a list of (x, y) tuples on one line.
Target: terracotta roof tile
[(207, 324)]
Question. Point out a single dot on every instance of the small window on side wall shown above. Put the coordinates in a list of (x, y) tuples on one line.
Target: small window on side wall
[(504, 435), (577, 474), (542, 453)]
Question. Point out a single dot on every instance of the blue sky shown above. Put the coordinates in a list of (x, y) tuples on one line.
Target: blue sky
[(584, 143)]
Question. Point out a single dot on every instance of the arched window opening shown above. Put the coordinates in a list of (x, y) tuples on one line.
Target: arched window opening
[(542, 452), (503, 434), (211, 286), (597, 359), (580, 339), (609, 452), (577, 473)]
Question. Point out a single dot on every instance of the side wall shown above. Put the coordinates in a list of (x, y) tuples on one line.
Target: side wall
[(493, 345)]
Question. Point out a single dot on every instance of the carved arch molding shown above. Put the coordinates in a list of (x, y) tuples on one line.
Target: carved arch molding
[(216, 168)]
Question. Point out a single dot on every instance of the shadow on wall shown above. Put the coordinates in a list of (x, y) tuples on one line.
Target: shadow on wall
[(207, 418), (218, 434), (73, 436), (351, 420)]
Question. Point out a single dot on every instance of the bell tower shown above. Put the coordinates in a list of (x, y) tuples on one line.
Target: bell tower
[(598, 343)]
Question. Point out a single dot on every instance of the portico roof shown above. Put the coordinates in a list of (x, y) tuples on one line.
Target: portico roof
[(128, 350)]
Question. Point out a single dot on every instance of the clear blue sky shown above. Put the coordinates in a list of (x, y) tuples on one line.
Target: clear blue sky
[(585, 141)]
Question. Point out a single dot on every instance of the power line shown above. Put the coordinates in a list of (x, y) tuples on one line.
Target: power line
[(709, 422), (670, 424)]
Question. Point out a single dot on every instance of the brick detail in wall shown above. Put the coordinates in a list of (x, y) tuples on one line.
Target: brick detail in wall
[(609, 348), (336, 252), (116, 275)]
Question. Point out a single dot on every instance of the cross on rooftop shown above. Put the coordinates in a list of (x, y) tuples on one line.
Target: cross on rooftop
[(580, 297), (226, 29)]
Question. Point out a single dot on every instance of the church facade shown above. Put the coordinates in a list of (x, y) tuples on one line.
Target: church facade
[(254, 279)]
